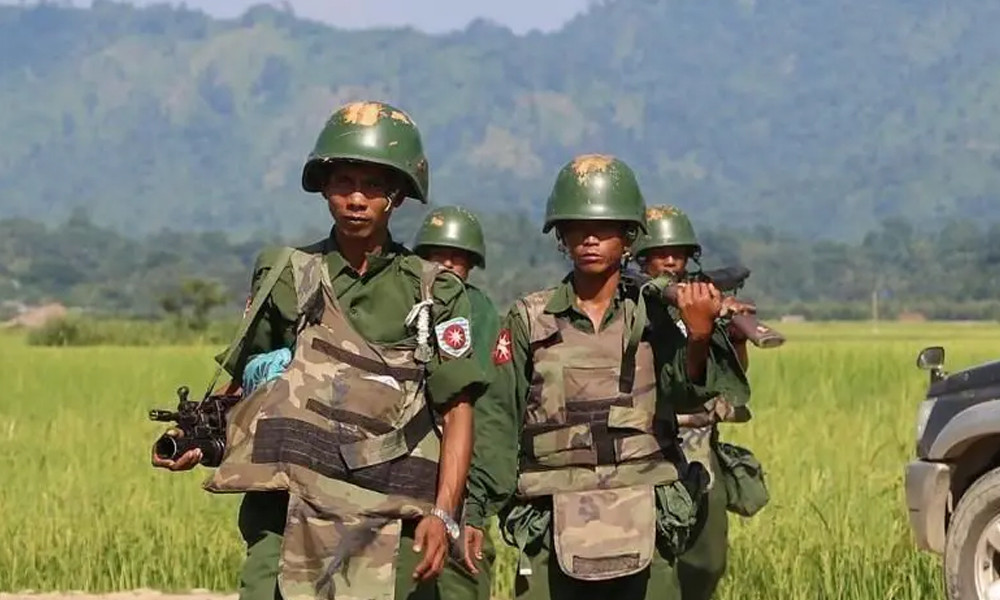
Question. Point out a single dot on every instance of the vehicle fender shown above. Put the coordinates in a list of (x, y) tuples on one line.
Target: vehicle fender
[(965, 428)]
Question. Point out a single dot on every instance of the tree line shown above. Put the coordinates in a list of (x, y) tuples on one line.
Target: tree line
[(947, 271)]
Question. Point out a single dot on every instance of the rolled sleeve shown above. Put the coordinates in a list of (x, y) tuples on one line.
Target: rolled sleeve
[(447, 379), (449, 376)]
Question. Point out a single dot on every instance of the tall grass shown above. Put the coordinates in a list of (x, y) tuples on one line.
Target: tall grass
[(833, 424), (77, 330)]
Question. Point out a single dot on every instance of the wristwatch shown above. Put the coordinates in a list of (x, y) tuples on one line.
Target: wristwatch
[(449, 524)]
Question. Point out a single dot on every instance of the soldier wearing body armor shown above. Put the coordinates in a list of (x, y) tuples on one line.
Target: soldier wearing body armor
[(353, 460), (453, 237), (598, 496), (666, 250)]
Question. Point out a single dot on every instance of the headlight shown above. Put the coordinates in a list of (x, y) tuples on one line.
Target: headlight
[(923, 413)]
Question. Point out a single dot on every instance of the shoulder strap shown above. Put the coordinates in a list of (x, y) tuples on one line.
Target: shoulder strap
[(635, 323), (251, 315), (531, 309), (309, 272)]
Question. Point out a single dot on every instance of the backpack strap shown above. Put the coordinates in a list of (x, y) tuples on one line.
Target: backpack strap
[(251, 315)]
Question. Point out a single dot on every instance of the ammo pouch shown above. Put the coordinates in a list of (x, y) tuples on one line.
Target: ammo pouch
[(677, 507), (743, 475)]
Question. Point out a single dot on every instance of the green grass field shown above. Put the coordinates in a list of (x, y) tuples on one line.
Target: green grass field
[(834, 418)]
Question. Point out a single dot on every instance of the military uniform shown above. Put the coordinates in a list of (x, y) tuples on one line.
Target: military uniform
[(456, 227), (337, 457), (701, 566), (594, 491)]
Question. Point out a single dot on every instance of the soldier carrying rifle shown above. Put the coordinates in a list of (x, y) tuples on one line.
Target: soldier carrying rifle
[(737, 478)]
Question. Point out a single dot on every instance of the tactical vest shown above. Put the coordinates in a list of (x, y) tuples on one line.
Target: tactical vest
[(347, 432), (589, 439)]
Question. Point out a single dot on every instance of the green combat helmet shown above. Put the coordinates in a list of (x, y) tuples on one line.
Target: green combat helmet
[(668, 226), (452, 227), (370, 132), (595, 187)]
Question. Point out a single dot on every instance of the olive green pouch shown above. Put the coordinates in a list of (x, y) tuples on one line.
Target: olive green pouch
[(746, 489), (677, 507)]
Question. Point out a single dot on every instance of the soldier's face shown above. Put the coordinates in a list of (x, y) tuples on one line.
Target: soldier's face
[(457, 261), (357, 196), (594, 246), (672, 260)]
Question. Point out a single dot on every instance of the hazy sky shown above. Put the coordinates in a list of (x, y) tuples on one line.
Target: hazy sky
[(428, 15)]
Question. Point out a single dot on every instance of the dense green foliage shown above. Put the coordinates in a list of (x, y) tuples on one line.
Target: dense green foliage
[(819, 117), (951, 272)]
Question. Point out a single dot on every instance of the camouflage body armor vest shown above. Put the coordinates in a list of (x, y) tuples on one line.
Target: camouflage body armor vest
[(347, 432), (589, 440)]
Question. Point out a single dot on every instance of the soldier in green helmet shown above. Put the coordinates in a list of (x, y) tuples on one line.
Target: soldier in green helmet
[(667, 250), (348, 489), (669, 247), (596, 495), (453, 237)]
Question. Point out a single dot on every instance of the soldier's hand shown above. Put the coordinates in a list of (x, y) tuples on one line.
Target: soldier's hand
[(700, 304), (431, 540), (473, 548), (185, 462)]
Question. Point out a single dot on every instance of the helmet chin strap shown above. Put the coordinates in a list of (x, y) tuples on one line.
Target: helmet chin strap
[(394, 199)]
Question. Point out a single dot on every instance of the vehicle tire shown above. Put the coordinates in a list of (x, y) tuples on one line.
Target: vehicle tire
[(977, 509)]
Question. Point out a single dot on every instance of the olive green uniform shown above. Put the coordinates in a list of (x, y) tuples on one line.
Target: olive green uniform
[(376, 303), (485, 328), (701, 566), (456, 227), (493, 475)]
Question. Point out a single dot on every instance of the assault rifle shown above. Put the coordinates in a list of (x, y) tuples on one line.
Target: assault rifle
[(741, 314), (202, 424)]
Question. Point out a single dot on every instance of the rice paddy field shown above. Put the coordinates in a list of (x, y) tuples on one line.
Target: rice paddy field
[(81, 509)]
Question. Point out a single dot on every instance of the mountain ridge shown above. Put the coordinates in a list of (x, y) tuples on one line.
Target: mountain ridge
[(821, 120)]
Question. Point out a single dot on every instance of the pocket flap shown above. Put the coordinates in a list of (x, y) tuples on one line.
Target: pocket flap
[(604, 534)]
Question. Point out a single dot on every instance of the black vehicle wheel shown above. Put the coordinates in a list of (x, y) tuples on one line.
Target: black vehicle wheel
[(972, 551)]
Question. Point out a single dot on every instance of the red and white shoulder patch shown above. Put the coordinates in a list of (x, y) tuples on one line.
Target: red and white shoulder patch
[(454, 336), (502, 352)]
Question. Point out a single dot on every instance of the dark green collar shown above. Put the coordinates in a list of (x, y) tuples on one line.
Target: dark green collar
[(377, 261)]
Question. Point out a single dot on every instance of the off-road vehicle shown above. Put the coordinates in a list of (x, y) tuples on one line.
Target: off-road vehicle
[(953, 484)]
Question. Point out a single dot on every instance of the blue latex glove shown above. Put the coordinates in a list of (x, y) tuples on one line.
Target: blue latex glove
[(265, 367)]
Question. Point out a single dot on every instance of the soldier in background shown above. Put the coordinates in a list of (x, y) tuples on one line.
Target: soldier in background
[(452, 237), (737, 482)]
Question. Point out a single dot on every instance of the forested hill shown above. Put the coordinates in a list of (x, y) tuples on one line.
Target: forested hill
[(818, 118)]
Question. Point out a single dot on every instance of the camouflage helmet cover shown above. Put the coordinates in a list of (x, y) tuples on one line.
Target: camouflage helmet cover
[(595, 187), (452, 227), (370, 132), (668, 226)]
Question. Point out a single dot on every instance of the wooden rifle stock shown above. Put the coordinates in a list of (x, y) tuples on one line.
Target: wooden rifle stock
[(745, 321)]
